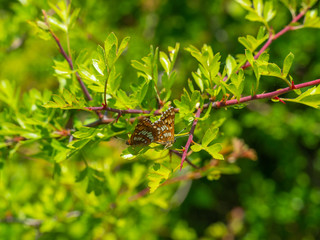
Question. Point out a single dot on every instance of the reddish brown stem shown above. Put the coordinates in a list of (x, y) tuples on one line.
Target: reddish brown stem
[(216, 104), (186, 148), (187, 160), (68, 58), (272, 37), (261, 96)]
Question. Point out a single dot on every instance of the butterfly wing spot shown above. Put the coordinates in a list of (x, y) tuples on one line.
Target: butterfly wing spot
[(161, 131)]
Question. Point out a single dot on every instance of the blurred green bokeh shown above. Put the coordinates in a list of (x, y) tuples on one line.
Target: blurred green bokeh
[(276, 197)]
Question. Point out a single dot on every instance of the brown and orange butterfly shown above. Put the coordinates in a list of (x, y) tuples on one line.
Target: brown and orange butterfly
[(161, 131)]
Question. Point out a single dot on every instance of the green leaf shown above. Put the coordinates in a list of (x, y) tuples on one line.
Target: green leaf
[(198, 80), (123, 45), (311, 19), (141, 67), (88, 75), (111, 56), (245, 42), (173, 53), (214, 150), (231, 65), (85, 132), (42, 25), (268, 11), (207, 114), (274, 70), (160, 172), (9, 93), (238, 82), (258, 6), (291, 5), (114, 82), (311, 97), (209, 136), (56, 23), (287, 64), (246, 4), (59, 100), (191, 87), (249, 56), (110, 42), (165, 62), (196, 147), (251, 43), (254, 17), (308, 3)]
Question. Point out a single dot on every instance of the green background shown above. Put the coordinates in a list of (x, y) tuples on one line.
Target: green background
[(276, 197)]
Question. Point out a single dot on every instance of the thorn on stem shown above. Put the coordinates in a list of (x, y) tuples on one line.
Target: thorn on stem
[(279, 99), (119, 115), (293, 86)]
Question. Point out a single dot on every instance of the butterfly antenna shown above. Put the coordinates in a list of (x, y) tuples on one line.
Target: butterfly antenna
[(182, 130), (178, 135)]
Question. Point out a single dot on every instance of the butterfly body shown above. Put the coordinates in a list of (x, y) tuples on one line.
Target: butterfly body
[(161, 131)]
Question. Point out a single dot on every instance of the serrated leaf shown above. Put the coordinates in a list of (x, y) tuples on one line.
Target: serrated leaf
[(111, 41), (141, 67), (209, 136), (55, 22), (59, 100), (85, 73), (111, 56), (157, 175), (245, 42), (214, 150), (85, 132), (68, 97)]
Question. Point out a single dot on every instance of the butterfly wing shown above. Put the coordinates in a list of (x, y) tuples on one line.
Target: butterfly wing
[(164, 128), (143, 133)]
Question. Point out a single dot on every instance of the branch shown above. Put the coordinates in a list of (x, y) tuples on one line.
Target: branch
[(272, 37), (187, 160), (186, 148), (68, 58), (269, 95), (217, 104), (127, 111)]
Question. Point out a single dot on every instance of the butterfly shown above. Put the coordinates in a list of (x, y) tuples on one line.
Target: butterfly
[(161, 131)]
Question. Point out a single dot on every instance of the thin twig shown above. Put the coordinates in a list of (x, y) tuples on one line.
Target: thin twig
[(65, 55), (272, 37), (186, 148), (187, 160)]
